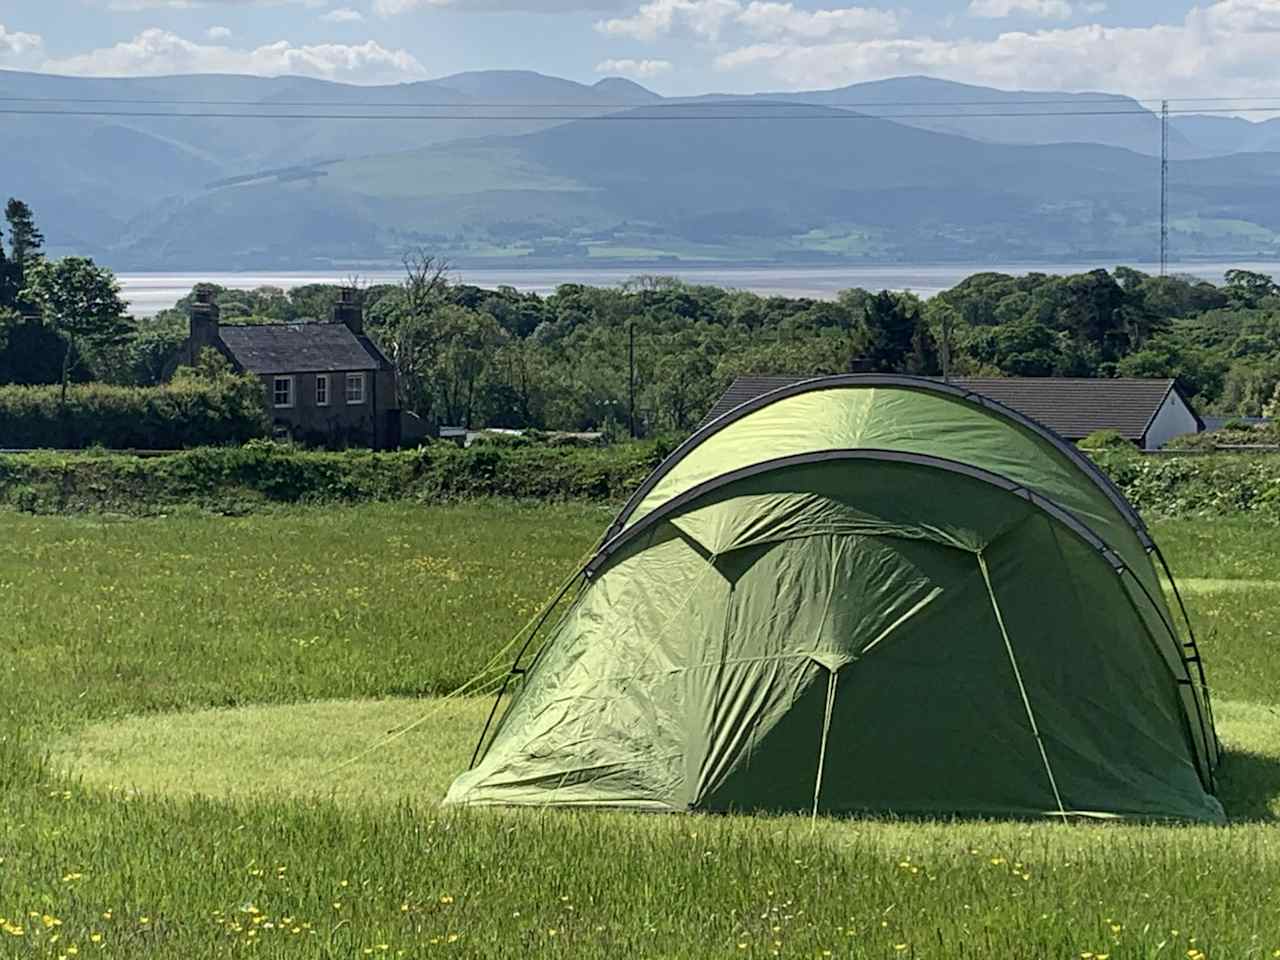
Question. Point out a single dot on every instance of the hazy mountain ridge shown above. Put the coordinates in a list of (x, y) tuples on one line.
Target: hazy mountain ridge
[(794, 176)]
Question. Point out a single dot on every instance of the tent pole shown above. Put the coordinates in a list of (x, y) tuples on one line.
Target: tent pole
[(1191, 633), (1210, 782)]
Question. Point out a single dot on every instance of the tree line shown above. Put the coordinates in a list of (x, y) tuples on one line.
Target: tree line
[(654, 354), (59, 320)]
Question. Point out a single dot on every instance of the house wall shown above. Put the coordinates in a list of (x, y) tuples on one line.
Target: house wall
[(339, 423), (1174, 420)]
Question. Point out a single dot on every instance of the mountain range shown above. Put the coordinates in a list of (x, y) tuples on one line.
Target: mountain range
[(225, 172)]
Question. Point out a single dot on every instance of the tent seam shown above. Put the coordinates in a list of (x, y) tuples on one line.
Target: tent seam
[(1022, 689), (822, 746)]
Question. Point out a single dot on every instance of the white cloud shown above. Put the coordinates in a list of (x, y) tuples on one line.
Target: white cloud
[(134, 6), (1228, 46), (633, 68), (17, 43), (781, 19), (1241, 16), (1091, 8), (707, 18), (154, 52), (218, 33), (343, 15), (657, 17), (389, 8), (1044, 9)]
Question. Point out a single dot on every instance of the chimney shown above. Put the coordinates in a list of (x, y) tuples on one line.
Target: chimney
[(347, 310), (204, 322)]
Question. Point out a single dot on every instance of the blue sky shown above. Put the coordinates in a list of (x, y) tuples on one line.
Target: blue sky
[(1142, 47)]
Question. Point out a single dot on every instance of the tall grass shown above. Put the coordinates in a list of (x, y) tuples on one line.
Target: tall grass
[(107, 617), (111, 627)]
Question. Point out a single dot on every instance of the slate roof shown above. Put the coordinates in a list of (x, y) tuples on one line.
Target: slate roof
[(1076, 407), (300, 348), (1071, 407)]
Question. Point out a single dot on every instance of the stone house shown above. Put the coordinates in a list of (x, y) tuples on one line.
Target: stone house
[(326, 384)]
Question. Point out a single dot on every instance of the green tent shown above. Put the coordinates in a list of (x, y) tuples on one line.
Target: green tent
[(865, 594)]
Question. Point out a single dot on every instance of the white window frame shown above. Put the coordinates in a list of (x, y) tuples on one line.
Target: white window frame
[(352, 379), (275, 392), (322, 378)]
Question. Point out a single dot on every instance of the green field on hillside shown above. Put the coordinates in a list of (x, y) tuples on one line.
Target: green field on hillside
[(190, 767)]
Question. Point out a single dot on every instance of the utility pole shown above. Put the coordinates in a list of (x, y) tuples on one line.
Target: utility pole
[(946, 345), (1164, 187), (631, 374)]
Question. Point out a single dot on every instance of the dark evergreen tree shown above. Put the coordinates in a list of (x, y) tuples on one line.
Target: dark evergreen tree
[(8, 292), (26, 243)]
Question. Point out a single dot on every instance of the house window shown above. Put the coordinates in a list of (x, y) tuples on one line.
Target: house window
[(322, 390), (355, 388), (282, 391)]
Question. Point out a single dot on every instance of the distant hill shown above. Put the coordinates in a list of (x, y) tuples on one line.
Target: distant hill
[(1073, 118), (1221, 136), (793, 176)]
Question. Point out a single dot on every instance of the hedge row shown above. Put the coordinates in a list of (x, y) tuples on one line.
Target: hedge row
[(242, 479), (189, 412), (1209, 485)]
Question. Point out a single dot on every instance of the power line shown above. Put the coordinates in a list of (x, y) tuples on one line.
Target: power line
[(611, 118), (761, 99), (579, 105)]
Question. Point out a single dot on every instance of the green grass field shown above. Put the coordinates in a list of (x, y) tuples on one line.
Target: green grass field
[(178, 691)]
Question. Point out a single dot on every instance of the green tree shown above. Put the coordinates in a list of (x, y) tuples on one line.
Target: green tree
[(8, 285), (1022, 348), (1245, 288), (1199, 373), (1272, 409), (1248, 387), (400, 323), (25, 245), (515, 394), (466, 342), (896, 338), (81, 303)]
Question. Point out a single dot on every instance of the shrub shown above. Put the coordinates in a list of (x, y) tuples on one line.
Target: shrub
[(237, 479), (242, 479), (1215, 484), (1106, 440), (191, 411)]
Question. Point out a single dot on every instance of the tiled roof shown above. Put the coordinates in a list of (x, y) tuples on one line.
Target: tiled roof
[(300, 348), (747, 388), (1071, 407)]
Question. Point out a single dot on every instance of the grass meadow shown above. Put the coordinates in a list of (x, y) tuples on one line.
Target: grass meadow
[(176, 692)]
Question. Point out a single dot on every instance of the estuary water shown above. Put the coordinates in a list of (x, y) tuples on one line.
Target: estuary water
[(149, 293)]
